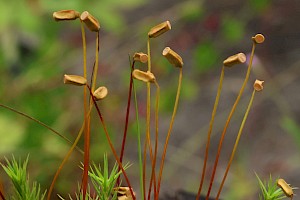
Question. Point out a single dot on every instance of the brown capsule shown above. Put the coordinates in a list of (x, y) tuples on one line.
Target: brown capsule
[(258, 85), (141, 57), (172, 57), (74, 80), (123, 193), (159, 29), (235, 59), (258, 38), (100, 93), (66, 15), (143, 76), (90, 21), (286, 188)]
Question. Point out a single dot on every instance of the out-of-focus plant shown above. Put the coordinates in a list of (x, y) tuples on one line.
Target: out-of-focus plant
[(274, 190), (17, 172)]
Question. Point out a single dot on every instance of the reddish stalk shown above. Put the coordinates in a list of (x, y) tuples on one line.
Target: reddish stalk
[(236, 144), (86, 121), (169, 133), (144, 167), (64, 161), (110, 143), (147, 143), (126, 118), (40, 123), (148, 117), (1, 194), (228, 121), (210, 130), (153, 177)]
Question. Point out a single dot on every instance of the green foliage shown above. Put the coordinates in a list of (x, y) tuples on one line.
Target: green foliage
[(232, 29), (206, 56), (104, 182), (269, 190), (259, 5), (18, 175), (292, 128), (191, 10), (79, 195)]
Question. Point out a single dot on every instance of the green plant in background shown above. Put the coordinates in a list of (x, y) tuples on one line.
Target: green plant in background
[(103, 183), (17, 172), (270, 190), (79, 195), (107, 185)]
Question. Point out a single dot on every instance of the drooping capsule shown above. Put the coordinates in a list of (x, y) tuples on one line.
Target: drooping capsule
[(159, 29), (74, 80), (143, 76), (90, 21), (172, 57), (234, 59), (286, 188), (100, 93), (63, 15), (141, 57)]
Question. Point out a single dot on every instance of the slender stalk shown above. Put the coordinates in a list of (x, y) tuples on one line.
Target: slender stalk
[(153, 177), (148, 116), (96, 66), (169, 133), (64, 161), (126, 118), (139, 143), (144, 166), (110, 143), (86, 121), (210, 130), (2, 195), (236, 143), (228, 121), (40, 123), (149, 103)]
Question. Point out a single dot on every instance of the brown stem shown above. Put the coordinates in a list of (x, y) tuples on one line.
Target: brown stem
[(210, 130), (228, 121), (64, 161), (144, 167), (110, 143), (126, 118), (153, 177), (40, 123), (2, 195), (86, 121), (169, 133), (236, 143)]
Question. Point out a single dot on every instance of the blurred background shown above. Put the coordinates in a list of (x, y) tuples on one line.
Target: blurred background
[(36, 51)]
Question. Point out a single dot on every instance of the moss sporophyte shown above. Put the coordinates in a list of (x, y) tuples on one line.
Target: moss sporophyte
[(110, 187)]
